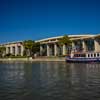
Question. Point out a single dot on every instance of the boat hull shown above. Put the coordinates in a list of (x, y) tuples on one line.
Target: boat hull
[(82, 60)]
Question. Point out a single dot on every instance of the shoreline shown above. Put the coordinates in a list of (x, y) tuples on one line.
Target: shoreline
[(45, 59)]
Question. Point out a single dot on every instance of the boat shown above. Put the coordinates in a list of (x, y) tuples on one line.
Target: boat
[(83, 57)]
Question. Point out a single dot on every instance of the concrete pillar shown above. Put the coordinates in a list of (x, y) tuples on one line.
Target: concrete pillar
[(96, 46), (16, 50), (55, 50), (64, 49), (41, 50), (48, 50), (6, 50), (84, 46), (73, 45), (22, 50)]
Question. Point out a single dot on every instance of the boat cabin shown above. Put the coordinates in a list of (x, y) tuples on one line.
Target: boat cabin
[(86, 55)]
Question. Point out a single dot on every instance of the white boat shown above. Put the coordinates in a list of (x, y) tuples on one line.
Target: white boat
[(83, 57)]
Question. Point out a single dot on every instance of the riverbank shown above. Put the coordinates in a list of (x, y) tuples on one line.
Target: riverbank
[(35, 59)]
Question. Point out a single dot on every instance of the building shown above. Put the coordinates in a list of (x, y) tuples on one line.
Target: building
[(14, 48), (50, 47)]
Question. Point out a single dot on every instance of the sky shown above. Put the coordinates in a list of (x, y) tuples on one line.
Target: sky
[(39, 19)]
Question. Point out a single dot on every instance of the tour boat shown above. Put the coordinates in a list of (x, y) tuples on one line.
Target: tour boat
[(83, 57)]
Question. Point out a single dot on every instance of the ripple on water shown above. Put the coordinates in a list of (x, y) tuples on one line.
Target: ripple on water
[(49, 81)]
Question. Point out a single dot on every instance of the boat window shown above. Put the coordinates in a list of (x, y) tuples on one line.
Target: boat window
[(97, 54), (88, 55), (75, 55), (91, 55), (94, 55), (83, 55), (79, 55)]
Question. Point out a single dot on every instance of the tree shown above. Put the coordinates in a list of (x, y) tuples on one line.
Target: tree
[(31, 47), (2, 51), (98, 36), (36, 47), (65, 40), (28, 45)]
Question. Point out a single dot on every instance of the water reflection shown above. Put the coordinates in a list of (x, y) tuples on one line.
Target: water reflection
[(49, 81)]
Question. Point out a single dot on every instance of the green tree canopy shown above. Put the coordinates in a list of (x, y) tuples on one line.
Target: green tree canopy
[(65, 40), (36, 47), (28, 45), (97, 37), (2, 50), (31, 47)]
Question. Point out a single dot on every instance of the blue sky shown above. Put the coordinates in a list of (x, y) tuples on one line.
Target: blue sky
[(38, 19)]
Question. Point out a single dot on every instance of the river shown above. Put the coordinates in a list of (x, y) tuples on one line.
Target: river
[(49, 81)]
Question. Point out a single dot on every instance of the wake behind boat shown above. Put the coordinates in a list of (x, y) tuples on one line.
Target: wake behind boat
[(83, 57)]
